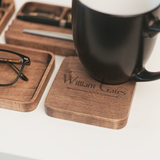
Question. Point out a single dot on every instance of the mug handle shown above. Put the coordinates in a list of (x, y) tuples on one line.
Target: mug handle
[(145, 75)]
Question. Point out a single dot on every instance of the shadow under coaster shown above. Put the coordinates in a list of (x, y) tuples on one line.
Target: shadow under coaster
[(75, 96)]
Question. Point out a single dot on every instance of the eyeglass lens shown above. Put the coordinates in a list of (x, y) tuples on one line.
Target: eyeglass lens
[(10, 65)]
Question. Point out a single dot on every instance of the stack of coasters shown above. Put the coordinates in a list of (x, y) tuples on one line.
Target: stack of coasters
[(76, 96)]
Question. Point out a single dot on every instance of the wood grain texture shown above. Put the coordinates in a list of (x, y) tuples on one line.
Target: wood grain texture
[(76, 96), (25, 96), (14, 34), (6, 13)]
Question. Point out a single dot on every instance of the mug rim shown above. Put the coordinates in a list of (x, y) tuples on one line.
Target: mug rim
[(115, 15)]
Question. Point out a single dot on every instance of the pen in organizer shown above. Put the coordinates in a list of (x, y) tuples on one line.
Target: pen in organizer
[(48, 19), (58, 35)]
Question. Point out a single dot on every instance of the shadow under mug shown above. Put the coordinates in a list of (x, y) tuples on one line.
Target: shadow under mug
[(115, 49)]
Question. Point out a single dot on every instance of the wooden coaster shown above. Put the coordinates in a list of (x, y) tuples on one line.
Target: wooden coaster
[(6, 13), (14, 34), (75, 96), (25, 96)]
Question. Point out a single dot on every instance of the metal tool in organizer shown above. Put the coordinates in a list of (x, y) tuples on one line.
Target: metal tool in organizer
[(49, 34)]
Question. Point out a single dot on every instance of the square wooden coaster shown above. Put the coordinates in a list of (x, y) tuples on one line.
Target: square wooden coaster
[(76, 96)]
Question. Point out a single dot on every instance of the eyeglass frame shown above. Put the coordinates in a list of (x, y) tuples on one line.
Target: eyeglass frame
[(25, 60)]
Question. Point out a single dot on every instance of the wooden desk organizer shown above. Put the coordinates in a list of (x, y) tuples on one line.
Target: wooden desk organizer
[(25, 96), (6, 13), (75, 96), (15, 34)]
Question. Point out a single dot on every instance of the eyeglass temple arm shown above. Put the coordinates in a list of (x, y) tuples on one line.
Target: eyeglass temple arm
[(22, 76), (16, 61)]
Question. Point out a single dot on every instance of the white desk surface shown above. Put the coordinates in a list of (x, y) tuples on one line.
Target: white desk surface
[(34, 135)]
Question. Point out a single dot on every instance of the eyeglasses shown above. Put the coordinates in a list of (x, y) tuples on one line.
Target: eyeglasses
[(11, 67)]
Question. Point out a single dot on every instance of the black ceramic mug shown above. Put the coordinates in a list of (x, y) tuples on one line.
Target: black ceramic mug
[(115, 44)]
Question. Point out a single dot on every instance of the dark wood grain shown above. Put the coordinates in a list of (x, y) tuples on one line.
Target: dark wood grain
[(14, 34), (6, 13), (75, 96), (25, 96)]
